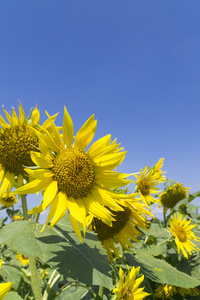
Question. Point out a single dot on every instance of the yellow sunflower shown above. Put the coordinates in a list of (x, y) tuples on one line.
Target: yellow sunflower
[(123, 228), (182, 231), (128, 287), (172, 195), (17, 139), (18, 218), (23, 259), (4, 287), (8, 199), (75, 179), (146, 185), (166, 291)]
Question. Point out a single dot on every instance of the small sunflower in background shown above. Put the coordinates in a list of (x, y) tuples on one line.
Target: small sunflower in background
[(166, 291), (182, 231), (17, 140), (4, 287), (23, 259), (8, 200), (75, 179), (146, 185), (157, 170), (128, 287), (172, 195), (123, 229), (18, 218)]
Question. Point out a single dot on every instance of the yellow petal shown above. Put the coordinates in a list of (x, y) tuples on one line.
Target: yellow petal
[(43, 146), (7, 183), (96, 147), (86, 133), (77, 209), (9, 118), (21, 114), (76, 228), (40, 160), (39, 173), (105, 199), (49, 194), (57, 136), (35, 116), (33, 186), (3, 123), (4, 289), (14, 116), (48, 123), (68, 129), (60, 209), (111, 179)]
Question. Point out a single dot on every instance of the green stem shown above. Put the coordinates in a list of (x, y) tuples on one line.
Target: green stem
[(32, 265), (34, 279), (101, 291), (24, 207)]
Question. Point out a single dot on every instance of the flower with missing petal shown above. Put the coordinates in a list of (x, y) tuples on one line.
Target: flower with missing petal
[(128, 287), (8, 200), (182, 231), (123, 229), (75, 179), (4, 287), (17, 140), (23, 259)]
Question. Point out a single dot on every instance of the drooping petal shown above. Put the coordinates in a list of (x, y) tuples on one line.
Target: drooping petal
[(77, 209), (68, 129), (76, 227), (60, 209), (49, 194)]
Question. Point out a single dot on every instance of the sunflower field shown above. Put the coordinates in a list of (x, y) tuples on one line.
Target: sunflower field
[(100, 239)]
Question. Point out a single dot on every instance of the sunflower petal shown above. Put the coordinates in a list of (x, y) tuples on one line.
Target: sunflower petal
[(76, 228), (68, 129), (86, 133), (40, 160), (33, 186), (21, 114), (14, 116)]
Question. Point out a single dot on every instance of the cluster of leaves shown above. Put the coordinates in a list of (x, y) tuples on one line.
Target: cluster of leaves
[(70, 270)]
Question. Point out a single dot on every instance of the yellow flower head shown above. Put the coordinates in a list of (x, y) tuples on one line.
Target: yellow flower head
[(18, 218), (128, 287), (172, 195), (182, 231), (23, 259), (4, 287), (8, 199), (17, 139), (123, 229), (146, 185), (166, 291), (75, 179)]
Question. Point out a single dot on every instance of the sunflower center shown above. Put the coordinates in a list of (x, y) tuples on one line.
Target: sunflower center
[(74, 172), (126, 294), (104, 231), (144, 187), (15, 146), (181, 234)]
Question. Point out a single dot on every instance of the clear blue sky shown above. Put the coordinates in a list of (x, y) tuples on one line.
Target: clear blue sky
[(134, 64)]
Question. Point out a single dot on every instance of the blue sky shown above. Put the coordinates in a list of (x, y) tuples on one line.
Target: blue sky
[(134, 64)]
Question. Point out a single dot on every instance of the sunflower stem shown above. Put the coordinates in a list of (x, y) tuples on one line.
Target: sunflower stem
[(34, 279), (24, 207)]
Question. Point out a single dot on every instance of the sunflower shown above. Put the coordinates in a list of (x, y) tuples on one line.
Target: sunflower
[(8, 200), (166, 291), (123, 228), (75, 179), (172, 195), (17, 139), (146, 185), (23, 259), (4, 287), (18, 218), (182, 231), (129, 289)]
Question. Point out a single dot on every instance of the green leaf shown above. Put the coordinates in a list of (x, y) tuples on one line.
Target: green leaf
[(12, 296), (60, 248), (154, 250), (73, 293), (157, 231), (11, 274), (160, 271)]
